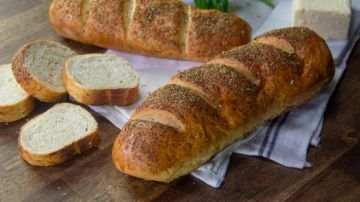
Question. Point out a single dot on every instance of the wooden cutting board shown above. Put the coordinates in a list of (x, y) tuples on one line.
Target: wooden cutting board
[(335, 173)]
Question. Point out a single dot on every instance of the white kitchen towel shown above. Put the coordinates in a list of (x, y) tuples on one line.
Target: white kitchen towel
[(285, 139)]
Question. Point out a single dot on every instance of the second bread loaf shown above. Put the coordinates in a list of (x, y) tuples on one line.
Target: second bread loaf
[(164, 28)]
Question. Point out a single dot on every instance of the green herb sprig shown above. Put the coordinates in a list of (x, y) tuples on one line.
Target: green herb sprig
[(223, 5), (269, 3)]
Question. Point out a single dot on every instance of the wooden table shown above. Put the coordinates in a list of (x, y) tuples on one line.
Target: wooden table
[(335, 174)]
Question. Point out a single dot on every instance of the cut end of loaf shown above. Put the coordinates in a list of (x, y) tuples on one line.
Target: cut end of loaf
[(38, 68), (98, 79), (45, 61), (57, 135)]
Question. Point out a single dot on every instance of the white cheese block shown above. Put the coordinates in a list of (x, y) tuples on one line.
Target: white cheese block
[(329, 18)]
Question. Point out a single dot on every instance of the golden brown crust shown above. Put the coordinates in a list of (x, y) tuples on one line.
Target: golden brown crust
[(145, 156), (232, 94), (155, 27), (28, 82), (187, 107), (96, 97), (105, 24), (318, 63), (17, 111), (168, 153), (160, 28), (66, 16), (61, 155), (274, 69), (212, 32), (275, 73)]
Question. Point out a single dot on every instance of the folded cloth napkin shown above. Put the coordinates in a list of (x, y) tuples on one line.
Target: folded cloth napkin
[(284, 140)]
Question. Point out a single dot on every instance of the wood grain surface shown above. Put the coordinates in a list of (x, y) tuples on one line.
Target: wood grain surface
[(334, 176)]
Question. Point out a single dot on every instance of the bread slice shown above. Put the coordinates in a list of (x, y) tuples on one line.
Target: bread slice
[(15, 103), (57, 135), (98, 79), (38, 68)]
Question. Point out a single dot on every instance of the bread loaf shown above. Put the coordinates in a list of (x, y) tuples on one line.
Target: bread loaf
[(164, 28), (98, 79), (204, 109)]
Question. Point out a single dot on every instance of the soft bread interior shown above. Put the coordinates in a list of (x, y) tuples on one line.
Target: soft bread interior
[(57, 128), (159, 116), (277, 42), (10, 91), (97, 71), (45, 61), (237, 66), (194, 88)]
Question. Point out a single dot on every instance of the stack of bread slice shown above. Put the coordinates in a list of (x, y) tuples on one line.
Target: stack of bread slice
[(49, 71)]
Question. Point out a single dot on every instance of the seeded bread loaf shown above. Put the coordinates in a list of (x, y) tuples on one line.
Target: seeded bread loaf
[(57, 135), (164, 28), (15, 103), (98, 79), (38, 68), (204, 109)]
